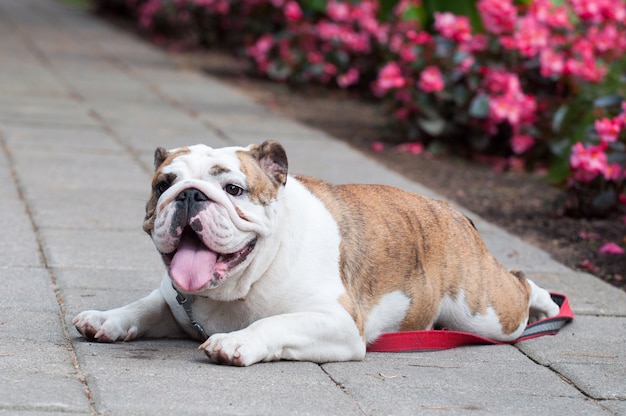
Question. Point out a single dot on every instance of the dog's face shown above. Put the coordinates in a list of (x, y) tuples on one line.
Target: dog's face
[(211, 210)]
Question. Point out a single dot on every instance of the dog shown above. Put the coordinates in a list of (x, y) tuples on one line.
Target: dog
[(263, 265)]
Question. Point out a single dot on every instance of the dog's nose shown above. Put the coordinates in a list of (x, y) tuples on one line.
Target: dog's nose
[(192, 195)]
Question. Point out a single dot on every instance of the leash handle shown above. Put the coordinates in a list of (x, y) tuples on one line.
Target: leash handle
[(434, 340)]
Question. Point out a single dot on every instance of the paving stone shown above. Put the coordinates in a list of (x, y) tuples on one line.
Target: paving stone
[(587, 294), (90, 209), (18, 246), (108, 249), (617, 407), (38, 376), (173, 377), (103, 289), (26, 289), (589, 352), (105, 172), (483, 380), (64, 140), (145, 141)]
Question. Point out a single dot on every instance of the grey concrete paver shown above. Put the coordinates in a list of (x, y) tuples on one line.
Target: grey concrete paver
[(36, 369), (108, 249), (590, 353), (82, 107), (285, 388), (457, 381)]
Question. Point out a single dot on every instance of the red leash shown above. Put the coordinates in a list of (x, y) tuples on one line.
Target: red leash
[(431, 340)]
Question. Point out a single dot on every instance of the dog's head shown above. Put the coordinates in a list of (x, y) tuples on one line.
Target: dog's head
[(211, 211)]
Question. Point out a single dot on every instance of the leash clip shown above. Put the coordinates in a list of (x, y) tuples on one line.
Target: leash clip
[(186, 302)]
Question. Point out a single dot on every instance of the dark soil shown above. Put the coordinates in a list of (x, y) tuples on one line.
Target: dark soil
[(524, 204)]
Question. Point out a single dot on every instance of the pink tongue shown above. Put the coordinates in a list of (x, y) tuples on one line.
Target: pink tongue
[(193, 264)]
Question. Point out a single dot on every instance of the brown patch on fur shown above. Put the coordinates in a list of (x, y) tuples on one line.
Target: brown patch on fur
[(218, 170), (396, 240), (162, 158), (265, 168)]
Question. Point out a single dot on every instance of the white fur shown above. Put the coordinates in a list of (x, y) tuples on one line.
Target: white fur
[(541, 304), (292, 282), (454, 314), (387, 315)]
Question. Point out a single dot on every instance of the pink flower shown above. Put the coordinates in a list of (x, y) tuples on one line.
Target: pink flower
[(389, 77), (349, 78), (588, 265), (466, 64), (598, 11), (338, 11), (552, 63), (588, 69), (419, 38), (431, 80), (611, 248), (583, 234), (415, 148), (260, 51), (588, 162), (530, 36), (521, 143), (608, 129), (498, 16), (613, 172), (507, 101), (292, 11), (453, 27), (377, 147)]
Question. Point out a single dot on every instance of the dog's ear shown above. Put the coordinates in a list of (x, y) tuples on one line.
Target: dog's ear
[(272, 159), (160, 154)]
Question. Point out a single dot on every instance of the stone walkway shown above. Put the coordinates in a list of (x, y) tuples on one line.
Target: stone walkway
[(82, 107)]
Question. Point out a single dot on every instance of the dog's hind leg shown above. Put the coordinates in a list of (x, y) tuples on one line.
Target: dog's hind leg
[(541, 305)]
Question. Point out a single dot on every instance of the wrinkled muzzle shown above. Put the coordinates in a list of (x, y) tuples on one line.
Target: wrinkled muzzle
[(197, 236)]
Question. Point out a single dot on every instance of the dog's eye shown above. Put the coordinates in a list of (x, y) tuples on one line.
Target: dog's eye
[(161, 187), (233, 190)]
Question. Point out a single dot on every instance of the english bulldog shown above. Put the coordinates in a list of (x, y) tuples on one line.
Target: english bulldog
[(266, 266)]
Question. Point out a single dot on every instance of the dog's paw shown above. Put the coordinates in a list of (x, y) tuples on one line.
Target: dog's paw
[(234, 349), (104, 326)]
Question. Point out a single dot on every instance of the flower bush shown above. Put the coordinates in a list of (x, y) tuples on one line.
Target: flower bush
[(333, 44), (542, 84)]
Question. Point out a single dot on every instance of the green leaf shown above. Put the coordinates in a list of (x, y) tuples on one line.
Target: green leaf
[(414, 13), (561, 148), (604, 202), (608, 101), (437, 148), (559, 116), (479, 106), (318, 6), (460, 94), (559, 171), (479, 141), (385, 9), (433, 127)]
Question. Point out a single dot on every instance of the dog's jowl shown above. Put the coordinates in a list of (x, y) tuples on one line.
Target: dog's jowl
[(272, 266)]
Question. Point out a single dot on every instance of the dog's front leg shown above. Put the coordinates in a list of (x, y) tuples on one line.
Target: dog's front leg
[(304, 336), (148, 317)]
